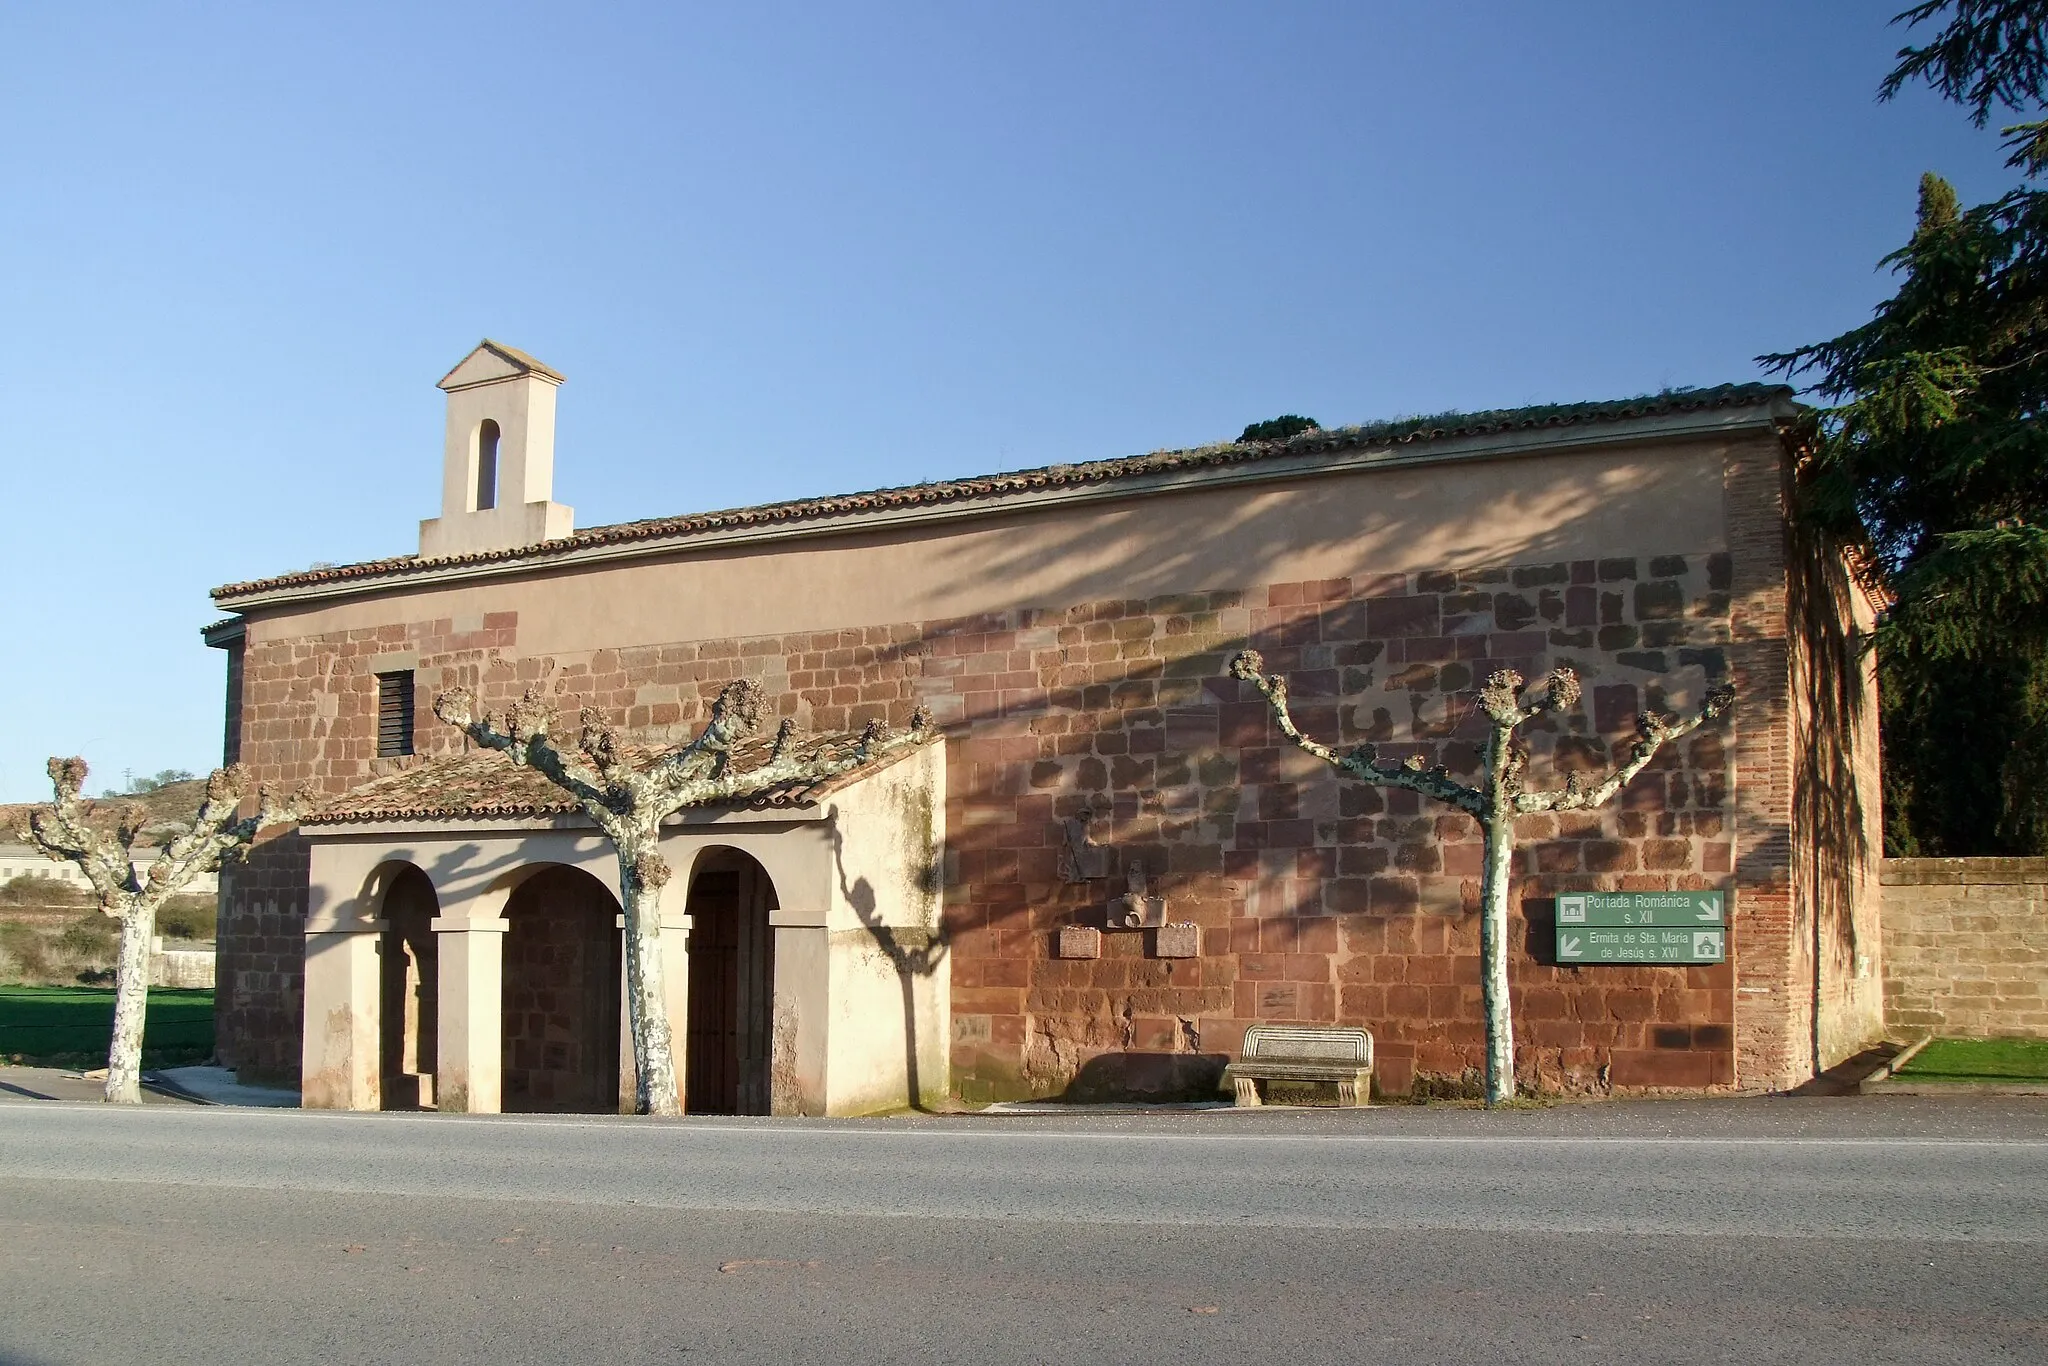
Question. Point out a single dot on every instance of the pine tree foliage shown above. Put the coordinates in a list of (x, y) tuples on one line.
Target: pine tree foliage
[(1990, 53), (1280, 428), (1934, 454)]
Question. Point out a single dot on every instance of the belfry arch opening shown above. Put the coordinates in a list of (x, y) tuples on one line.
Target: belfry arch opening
[(486, 465), (560, 1013), (728, 1059), (409, 979)]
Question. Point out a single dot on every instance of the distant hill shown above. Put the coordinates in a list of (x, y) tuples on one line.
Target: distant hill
[(178, 802)]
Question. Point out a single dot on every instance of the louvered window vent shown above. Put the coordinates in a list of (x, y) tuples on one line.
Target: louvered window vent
[(394, 714)]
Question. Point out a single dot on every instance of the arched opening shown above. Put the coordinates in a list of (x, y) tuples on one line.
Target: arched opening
[(409, 1000), (732, 986), (561, 995), (486, 465)]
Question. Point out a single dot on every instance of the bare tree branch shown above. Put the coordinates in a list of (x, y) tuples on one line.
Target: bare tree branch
[(1653, 732), (1363, 762)]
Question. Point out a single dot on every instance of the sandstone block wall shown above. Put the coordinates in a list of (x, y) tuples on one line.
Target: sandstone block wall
[(1966, 947), (1316, 900)]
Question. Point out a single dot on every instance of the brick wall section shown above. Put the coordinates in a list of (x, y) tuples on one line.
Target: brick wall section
[(1966, 947), (1774, 995), (260, 960), (1317, 900)]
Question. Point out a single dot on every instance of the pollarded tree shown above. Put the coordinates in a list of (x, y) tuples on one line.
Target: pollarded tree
[(66, 832), (1500, 797), (629, 801)]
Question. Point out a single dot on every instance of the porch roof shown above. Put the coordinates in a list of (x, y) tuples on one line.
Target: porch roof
[(487, 785)]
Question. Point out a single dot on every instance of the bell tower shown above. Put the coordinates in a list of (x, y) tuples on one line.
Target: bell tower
[(498, 459)]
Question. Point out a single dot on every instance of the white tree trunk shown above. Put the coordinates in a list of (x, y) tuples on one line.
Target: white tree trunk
[(654, 1071), (131, 1002), (1497, 820), (1493, 958)]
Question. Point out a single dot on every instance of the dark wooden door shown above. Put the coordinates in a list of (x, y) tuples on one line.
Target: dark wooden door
[(711, 1073), (726, 1068)]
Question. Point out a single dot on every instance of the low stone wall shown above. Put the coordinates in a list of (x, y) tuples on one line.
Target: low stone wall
[(1966, 947), (181, 968)]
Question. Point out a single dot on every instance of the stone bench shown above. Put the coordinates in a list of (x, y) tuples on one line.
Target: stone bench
[(1339, 1054)]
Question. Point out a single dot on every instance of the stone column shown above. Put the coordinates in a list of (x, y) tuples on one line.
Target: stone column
[(339, 1058), (628, 1074), (803, 968), (469, 1070)]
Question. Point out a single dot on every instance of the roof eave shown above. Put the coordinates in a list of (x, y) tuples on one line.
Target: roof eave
[(1768, 413), (222, 634), (386, 826)]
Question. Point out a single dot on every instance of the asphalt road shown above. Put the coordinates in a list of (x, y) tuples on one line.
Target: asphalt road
[(1869, 1230)]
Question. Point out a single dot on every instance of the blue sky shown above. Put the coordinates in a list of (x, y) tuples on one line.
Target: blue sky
[(787, 250)]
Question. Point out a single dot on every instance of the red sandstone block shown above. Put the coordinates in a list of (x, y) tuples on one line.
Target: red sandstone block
[(1550, 1033), (1363, 1002), (1431, 968), (1317, 1001), (1655, 1067), (1280, 1000), (1316, 935), (1005, 972), (1305, 967), (1262, 967), (1405, 1001)]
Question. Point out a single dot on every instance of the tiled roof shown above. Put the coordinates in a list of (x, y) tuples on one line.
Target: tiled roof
[(1398, 432), (488, 785)]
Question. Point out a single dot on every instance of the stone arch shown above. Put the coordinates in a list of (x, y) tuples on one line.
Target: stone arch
[(561, 992), (729, 1053), (408, 970)]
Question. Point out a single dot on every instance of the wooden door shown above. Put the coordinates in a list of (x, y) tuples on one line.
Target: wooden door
[(711, 1071), (726, 1067)]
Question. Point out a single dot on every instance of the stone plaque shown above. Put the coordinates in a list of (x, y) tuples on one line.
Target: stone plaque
[(1080, 941), (1177, 941)]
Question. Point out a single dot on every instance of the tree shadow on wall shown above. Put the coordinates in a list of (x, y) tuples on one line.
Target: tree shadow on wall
[(1827, 800), (913, 953), (1123, 552)]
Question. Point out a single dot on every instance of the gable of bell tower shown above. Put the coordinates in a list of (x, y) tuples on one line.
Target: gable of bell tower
[(498, 457)]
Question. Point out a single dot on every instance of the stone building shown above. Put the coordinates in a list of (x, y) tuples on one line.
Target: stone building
[(444, 929)]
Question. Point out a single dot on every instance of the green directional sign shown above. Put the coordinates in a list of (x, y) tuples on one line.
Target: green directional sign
[(1675, 910), (1636, 944)]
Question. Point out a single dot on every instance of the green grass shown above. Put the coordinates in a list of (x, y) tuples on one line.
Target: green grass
[(71, 1025), (1961, 1060)]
